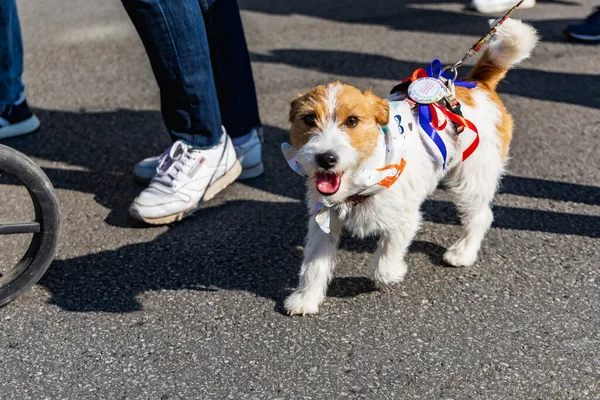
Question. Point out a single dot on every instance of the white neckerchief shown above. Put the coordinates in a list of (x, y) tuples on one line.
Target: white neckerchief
[(380, 170)]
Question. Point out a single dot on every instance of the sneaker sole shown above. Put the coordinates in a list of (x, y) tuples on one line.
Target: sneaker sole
[(583, 38), (227, 179), (30, 125)]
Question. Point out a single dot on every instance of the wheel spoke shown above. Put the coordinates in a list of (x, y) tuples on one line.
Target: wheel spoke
[(19, 227)]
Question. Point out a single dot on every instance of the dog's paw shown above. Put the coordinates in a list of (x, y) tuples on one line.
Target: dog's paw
[(459, 255), (301, 304), (390, 274)]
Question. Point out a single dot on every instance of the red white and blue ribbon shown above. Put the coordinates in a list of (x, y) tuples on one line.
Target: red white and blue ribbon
[(428, 117)]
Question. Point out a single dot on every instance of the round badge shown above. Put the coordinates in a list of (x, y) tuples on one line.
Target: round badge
[(427, 90)]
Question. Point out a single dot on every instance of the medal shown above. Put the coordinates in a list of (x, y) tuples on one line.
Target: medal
[(427, 90)]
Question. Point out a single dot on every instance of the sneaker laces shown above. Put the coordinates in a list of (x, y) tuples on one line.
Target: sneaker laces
[(173, 163)]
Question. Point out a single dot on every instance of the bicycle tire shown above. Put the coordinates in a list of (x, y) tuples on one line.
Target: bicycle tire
[(41, 250)]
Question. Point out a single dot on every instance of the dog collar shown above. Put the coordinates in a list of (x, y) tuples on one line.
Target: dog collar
[(380, 171)]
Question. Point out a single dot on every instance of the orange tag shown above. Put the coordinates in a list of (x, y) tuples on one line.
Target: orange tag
[(394, 174)]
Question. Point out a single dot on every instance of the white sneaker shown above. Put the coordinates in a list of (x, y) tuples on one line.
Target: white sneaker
[(185, 178), (494, 6), (249, 154)]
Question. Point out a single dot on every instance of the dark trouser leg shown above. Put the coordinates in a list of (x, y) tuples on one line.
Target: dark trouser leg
[(231, 66), (11, 54), (174, 36)]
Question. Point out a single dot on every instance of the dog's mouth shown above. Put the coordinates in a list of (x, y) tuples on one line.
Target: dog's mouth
[(328, 183)]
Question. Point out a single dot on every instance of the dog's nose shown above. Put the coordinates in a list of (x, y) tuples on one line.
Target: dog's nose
[(326, 160)]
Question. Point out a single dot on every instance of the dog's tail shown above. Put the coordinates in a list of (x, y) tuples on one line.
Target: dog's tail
[(512, 43)]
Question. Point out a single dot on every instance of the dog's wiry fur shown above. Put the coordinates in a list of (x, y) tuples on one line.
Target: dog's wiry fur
[(394, 214)]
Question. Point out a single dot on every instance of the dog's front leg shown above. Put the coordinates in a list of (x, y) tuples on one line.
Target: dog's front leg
[(317, 268), (388, 264)]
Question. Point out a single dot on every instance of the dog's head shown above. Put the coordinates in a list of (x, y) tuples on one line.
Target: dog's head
[(334, 127)]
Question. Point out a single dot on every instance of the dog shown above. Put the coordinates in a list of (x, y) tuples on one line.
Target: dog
[(335, 129)]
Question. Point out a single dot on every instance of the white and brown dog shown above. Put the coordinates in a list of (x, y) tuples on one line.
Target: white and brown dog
[(336, 128)]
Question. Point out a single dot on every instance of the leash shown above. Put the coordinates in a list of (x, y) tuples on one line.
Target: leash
[(485, 38)]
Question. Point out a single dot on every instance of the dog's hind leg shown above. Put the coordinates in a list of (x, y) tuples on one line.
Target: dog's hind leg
[(388, 263), (317, 268), (473, 187)]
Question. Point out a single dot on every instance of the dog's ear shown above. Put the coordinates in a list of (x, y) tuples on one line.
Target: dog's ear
[(295, 107), (380, 107)]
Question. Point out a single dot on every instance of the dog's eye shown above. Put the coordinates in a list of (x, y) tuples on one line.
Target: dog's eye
[(351, 122), (310, 120)]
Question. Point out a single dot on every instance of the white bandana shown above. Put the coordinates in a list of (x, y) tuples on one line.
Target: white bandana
[(380, 170)]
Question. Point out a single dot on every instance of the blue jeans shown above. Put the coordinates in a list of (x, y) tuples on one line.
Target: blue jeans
[(200, 61), (11, 53)]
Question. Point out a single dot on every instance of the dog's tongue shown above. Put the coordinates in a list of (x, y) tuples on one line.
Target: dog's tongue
[(327, 183)]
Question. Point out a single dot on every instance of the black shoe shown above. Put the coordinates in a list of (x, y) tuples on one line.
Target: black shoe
[(17, 120), (588, 30)]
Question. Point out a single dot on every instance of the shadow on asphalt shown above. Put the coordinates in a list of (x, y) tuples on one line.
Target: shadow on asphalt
[(258, 248), (254, 251), (543, 85), (99, 150), (407, 15)]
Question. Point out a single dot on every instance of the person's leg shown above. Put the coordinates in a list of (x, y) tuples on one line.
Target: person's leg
[(11, 54), (202, 161), (15, 116), (231, 67), (235, 87), (174, 36)]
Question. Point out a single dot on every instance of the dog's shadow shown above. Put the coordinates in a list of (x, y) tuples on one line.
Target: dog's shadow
[(352, 286)]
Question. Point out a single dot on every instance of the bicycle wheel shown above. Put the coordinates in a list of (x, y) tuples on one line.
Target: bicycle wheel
[(44, 228)]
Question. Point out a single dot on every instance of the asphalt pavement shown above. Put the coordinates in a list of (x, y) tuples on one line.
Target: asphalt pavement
[(193, 310)]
